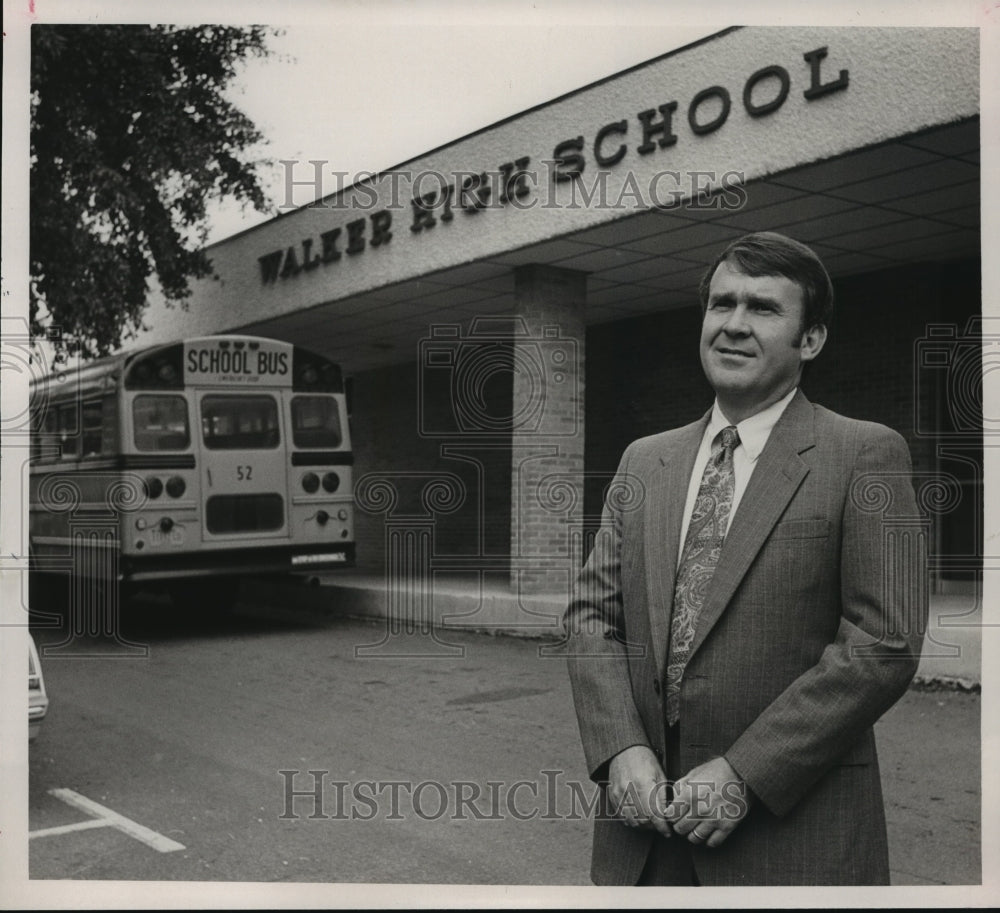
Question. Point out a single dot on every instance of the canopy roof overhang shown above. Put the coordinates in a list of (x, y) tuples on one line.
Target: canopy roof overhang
[(912, 200)]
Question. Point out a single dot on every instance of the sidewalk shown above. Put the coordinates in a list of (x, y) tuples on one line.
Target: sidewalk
[(952, 652), (953, 646)]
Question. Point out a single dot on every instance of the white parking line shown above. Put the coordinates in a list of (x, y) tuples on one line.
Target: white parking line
[(69, 828), (108, 818)]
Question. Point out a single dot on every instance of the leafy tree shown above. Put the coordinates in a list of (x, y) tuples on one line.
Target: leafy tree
[(131, 136)]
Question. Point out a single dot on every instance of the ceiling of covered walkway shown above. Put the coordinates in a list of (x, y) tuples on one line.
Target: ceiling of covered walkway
[(913, 200)]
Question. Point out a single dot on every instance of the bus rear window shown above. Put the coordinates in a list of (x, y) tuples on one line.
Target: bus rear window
[(240, 422), (161, 422), (315, 421)]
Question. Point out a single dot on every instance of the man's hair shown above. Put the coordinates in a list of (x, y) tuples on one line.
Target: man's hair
[(766, 253)]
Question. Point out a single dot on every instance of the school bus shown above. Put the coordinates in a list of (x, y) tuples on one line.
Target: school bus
[(192, 462)]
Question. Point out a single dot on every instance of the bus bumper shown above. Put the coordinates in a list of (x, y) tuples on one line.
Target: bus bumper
[(224, 562)]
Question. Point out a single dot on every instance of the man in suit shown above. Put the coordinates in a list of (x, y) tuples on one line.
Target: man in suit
[(752, 605)]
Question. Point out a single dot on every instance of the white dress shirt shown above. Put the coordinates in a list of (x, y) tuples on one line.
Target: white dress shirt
[(754, 432)]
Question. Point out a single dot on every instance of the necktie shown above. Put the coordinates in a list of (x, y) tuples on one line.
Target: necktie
[(702, 547)]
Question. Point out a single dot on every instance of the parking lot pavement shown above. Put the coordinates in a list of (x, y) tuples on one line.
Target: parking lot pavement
[(191, 742), (929, 752)]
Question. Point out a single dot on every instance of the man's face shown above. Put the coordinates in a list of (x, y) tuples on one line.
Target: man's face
[(752, 343)]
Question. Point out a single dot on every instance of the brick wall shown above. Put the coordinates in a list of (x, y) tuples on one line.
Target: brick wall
[(548, 462), (386, 427)]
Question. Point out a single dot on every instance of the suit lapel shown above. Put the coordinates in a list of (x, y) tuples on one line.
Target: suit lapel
[(779, 473), (665, 497)]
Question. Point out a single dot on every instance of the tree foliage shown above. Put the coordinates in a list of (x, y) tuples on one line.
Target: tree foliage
[(131, 136)]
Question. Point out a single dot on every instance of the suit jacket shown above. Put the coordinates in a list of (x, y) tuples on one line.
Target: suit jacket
[(810, 630)]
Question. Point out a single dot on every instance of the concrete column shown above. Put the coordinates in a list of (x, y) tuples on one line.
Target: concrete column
[(547, 427)]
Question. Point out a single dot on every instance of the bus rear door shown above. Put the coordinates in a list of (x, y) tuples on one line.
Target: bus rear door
[(243, 466)]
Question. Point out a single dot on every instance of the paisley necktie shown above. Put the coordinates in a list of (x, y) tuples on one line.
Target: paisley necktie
[(702, 547)]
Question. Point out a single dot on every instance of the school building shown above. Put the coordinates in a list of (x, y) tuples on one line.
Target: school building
[(513, 308)]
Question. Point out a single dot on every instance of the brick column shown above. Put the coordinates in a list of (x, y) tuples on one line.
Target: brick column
[(547, 427)]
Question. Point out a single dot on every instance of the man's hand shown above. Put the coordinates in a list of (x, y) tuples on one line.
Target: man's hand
[(637, 789), (709, 801)]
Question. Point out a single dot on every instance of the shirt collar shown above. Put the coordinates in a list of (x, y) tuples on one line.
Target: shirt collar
[(755, 430)]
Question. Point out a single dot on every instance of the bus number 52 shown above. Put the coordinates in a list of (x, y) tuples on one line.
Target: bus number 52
[(244, 473)]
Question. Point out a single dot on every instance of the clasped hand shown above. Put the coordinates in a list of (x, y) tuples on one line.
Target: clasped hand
[(708, 802)]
